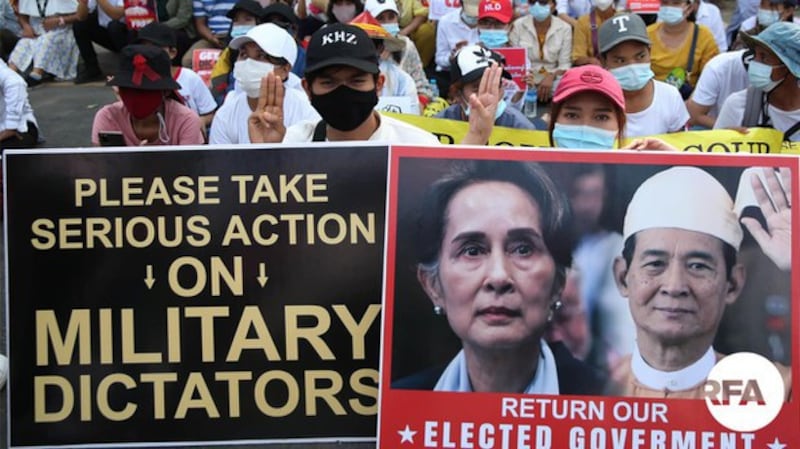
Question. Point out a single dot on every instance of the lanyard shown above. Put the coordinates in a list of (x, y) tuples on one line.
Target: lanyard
[(41, 8)]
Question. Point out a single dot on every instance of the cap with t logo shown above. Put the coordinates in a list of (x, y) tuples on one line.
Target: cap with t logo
[(621, 28)]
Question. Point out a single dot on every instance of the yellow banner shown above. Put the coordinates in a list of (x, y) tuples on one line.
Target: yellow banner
[(757, 141)]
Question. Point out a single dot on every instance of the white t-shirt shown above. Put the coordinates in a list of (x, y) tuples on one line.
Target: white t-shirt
[(708, 14), (723, 75), (732, 113), (230, 121), (440, 8), (194, 92), (15, 109), (450, 31), (666, 113), (389, 130), (103, 19), (399, 84)]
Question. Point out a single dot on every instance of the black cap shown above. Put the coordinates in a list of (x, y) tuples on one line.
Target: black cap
[(340, 44), (158, 34), (471, 61), (280, 9), (251, 6), (144, 67)]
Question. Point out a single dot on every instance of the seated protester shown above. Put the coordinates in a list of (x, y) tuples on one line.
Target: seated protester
[(651, 106), (342, 69), (774, 76), (47, 46), (244, 16), (769, 12), (18, 127), (584, 35), (414, 24), (681, 48), (723, 75), (455, 30), (101, 22), (213, 26), (150, 111), (265, 49), (311, 16), (494, 24), (548, 40), (282, 15), (570, 10), (708, 14), (467, 71), (397, 83), (177, 14), (193, 91), (343, 11), (386, 13)]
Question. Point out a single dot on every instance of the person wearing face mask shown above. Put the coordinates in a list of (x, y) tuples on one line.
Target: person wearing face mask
[(773, 98), (651, 106), (193, 90), (265, 49), (681, 48), (397, 83), (455, 30), (244, 16), (342, 69), (494, 22), (467, 70), (725, 74), (589, 113), (150, 111), (409, 60), (769, 12), (343, 11), (548, 40), (584, 37)]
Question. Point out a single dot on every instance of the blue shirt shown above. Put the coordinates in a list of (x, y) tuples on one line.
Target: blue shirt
[(214, 11)]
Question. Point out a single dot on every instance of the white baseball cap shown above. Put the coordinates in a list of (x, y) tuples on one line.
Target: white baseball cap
[(274, 40), (685, 198), (376, 7)]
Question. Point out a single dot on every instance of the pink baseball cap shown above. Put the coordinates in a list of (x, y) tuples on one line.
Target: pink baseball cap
[(501, 10), (589, 78)]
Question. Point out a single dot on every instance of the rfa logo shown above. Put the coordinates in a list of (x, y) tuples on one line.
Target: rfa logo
[(339, 36), (744, 392)]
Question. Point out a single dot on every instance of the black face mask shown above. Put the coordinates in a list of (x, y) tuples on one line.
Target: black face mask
[(344, 108)]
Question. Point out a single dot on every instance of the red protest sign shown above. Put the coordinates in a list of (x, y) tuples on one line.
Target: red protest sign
[(516, 64)]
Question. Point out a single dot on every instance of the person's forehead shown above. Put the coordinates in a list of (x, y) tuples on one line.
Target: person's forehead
[(627, 48), (588, 101), (341, 72), (677, 240)]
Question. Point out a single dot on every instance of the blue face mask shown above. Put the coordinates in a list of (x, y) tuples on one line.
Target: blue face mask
[(391, 28), (670, 15), (633, 77), (240, 30), (540, 12), (760, 76), (586, 137), (767, 17), (501, 107), (493, 38)]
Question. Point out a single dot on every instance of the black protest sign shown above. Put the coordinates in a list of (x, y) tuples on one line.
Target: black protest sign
[(194, 295)]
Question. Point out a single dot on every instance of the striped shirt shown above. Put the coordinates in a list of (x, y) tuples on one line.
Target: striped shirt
[(215, 11)]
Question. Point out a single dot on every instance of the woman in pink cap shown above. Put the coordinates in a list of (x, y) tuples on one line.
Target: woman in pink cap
[(589, 113)]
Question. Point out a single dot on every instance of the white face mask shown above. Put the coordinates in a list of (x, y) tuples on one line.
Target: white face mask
[(602, 5), (344, 13), (248, 74)]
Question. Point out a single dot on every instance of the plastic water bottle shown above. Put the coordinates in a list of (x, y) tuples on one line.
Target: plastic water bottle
[(530, 107), (434, 88)]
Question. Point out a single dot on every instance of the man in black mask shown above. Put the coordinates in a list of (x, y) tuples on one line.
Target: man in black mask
[(342, 80)]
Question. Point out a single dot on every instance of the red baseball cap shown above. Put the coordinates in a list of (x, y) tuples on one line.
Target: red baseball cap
[(501, 10), (589, 78)]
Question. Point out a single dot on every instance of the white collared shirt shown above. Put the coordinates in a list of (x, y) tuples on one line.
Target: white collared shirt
[(682, 379)]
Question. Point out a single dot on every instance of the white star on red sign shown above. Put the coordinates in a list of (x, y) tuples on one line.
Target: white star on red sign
[(407, 435), (776, 444)]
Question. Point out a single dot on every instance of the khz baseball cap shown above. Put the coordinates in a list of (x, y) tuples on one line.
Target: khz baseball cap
[(621, 28), (340, 44), (274, 40), (685, 198), (378, 7), (589, 78)]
